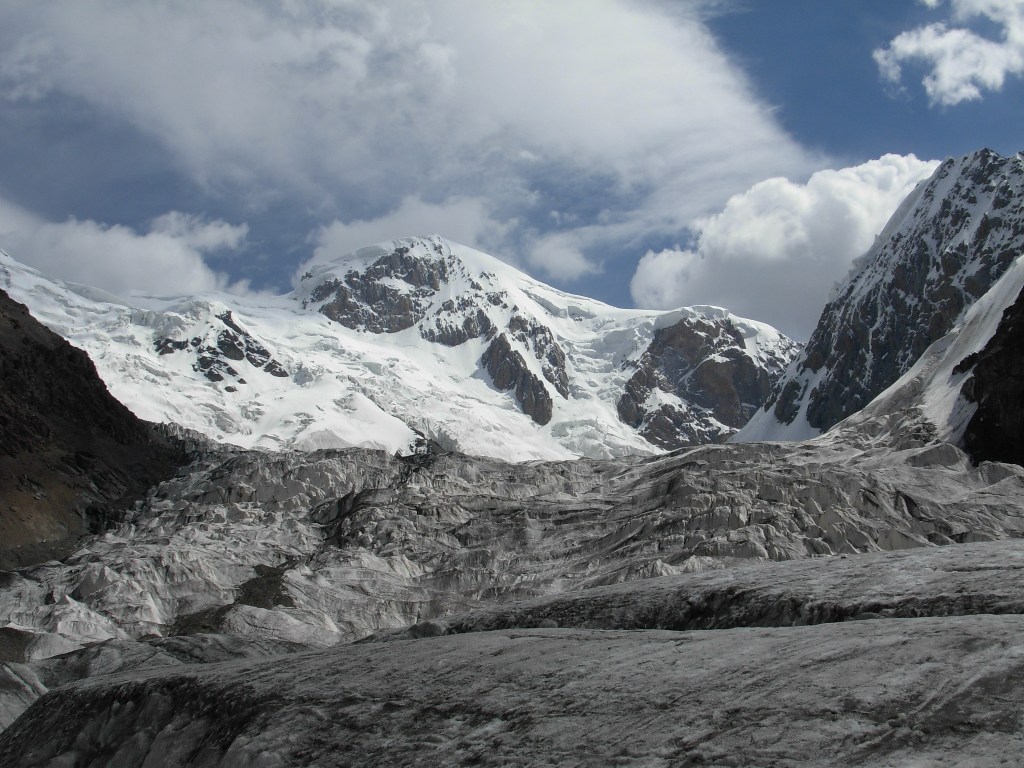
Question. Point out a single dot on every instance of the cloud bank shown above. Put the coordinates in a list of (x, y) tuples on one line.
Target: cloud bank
[(169, 258), (781, 240), (550, 134), (961, 63)]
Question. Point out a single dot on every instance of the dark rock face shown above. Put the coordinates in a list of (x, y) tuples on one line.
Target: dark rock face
[(363, 301), (952, 239), (996, 431), (703, 362), (537, 337), (70, 454), (213, 352), (449, 331), (508, 370)]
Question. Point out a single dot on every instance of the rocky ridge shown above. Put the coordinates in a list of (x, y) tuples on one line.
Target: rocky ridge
[(945, 246), (218, 346), (698, 365)]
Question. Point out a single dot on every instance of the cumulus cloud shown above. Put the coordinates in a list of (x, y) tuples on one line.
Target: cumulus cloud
[(167, 259), (355, 108), (961, 63), (780, 239)]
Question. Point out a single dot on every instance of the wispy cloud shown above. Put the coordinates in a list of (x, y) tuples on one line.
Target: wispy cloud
[(961, 63), (358, 108), (171, 257)]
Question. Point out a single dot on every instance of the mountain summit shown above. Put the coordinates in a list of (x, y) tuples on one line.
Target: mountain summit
[(421, 339)]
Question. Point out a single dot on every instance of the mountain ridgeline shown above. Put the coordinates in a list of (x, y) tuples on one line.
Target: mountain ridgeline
[(422, 339), (943, 249)]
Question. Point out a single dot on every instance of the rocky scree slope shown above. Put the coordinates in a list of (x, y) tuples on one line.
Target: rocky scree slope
[(71, 456), (945, 247), (421, 339)]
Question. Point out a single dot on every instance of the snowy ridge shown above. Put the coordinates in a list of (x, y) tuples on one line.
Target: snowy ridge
[(412, 339), (945, 246)]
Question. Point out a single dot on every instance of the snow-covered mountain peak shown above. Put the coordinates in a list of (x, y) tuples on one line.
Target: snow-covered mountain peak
[(420, 338), (434, 285)]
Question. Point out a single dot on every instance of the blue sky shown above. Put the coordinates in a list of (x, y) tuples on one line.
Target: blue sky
[(813, 61), (644, 152)]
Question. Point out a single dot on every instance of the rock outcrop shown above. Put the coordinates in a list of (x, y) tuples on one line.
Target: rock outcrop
[(696, 382), (218, 346), (509, 371), (367, 300)]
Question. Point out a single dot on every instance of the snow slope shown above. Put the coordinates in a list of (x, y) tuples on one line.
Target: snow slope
[(418, 338)]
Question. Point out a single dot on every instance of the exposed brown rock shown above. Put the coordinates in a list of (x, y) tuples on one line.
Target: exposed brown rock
[(70, 454)]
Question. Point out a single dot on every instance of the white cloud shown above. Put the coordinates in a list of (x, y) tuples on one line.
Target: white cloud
[(561, 255), (168, 259), (961, 62), (355, 107), (198, 233), (774, 251)]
